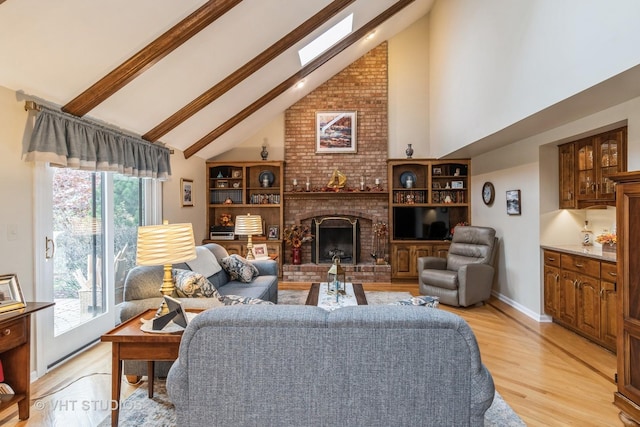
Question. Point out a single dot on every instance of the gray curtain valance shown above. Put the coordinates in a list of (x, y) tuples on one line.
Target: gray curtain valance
[(69, 141)]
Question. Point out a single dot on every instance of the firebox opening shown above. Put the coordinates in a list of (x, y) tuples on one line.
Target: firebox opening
[(335, 236)]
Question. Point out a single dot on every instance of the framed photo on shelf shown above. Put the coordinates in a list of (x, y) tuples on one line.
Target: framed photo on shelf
[(437, 171), (260, 251), (237, 173), (457, 184), (186, 192), (10, 293), (336, 132), (274, 232), (513, 202)]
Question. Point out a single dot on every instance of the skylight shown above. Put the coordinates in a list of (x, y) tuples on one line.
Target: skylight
[(326, 40)]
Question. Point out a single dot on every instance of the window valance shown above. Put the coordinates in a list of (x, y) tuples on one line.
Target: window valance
[(73, 142)]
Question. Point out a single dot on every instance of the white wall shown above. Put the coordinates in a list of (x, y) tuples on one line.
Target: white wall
[(16, 192), (271, 135), (409, 91), (172, 209), (495, 62), (514, 167)]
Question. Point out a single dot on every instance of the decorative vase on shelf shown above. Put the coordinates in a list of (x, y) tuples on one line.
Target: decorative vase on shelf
[(296, 256), (409, 151), (264, 153)]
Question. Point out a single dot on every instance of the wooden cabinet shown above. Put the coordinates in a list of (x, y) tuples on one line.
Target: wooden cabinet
[(552, 283), (427, 198), (404, 257), (586, 166), (627, 398), (239, 188), (15, 354), (567, 189), (608, 311), (579, 293)]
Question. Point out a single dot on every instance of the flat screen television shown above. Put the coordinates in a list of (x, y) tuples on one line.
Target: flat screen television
[(420, 223)]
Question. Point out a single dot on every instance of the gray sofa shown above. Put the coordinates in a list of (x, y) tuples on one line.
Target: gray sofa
[(142, 292), (386, 365)]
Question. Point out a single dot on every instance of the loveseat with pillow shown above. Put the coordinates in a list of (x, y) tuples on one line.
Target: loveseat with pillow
[(199, 284), (288, 365)]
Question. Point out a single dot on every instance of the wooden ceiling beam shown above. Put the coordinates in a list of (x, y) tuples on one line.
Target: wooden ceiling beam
[(148, 56), (246, 70), (288, 83)]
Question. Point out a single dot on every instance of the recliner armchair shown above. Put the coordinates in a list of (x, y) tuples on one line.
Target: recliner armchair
[(465, 277)]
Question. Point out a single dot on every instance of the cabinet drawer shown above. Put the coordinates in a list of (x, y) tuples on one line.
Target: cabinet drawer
[(552, 258), (13, 333), (609, 271), (590, 267)]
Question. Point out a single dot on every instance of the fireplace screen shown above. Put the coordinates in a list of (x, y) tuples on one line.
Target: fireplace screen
[(335, 236)]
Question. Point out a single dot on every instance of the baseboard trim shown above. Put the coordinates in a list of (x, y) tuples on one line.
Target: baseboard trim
[(540, 318)]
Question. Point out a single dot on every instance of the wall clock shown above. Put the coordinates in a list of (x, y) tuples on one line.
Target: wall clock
[(488, 193)]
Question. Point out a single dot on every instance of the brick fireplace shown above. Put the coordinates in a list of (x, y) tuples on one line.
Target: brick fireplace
[(361, 87), (367, 208)]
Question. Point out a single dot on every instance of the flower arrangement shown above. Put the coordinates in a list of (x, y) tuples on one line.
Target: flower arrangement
[(607, 239), (296, 235)]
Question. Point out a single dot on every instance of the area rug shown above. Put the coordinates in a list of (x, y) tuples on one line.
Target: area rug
[(293, 297), (140, 411)]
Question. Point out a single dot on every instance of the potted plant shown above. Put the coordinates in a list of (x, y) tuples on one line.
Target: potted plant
[(608, 241), (295, 236)]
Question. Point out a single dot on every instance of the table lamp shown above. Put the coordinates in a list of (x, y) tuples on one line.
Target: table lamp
[(165, 244), (248, 225)]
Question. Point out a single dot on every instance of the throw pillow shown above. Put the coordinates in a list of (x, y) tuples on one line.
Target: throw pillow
[(423, 300), (205, 262), (239, 268), (237, 299), (190, 284)]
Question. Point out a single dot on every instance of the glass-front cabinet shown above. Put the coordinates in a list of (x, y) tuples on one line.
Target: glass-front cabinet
[(586, 166)]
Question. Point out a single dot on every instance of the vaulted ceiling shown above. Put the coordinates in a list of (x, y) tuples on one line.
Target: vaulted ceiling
[(200, 76)]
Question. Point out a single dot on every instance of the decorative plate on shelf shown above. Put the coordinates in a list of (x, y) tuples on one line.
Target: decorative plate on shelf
[(268, 175), (405, 176)]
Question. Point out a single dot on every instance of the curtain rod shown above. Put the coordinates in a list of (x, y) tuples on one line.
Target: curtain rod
[(31, 105)]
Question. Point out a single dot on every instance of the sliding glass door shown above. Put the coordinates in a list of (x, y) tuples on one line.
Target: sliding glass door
[(88, 225)]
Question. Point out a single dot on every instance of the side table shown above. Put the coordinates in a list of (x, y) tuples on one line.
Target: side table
[(129, 342), (15, 354)]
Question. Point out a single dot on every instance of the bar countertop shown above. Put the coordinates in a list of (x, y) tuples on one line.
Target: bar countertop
[(594, 251)]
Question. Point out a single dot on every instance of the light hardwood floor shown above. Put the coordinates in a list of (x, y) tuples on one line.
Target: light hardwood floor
[(549, 376)]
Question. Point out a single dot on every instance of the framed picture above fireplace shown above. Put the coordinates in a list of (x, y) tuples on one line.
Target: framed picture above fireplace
[(336, 132)]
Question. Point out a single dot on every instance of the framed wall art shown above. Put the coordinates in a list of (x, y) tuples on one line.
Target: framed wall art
[(513, 202), (336, 132), (10, 294), (186, 192), (260, 251), (274, 232)]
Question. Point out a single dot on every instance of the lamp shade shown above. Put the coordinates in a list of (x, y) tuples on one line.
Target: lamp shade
[(165, 244), (248, 225)]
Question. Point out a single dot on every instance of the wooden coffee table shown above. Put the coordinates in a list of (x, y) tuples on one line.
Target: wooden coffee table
[(358, 290), (129, 342)]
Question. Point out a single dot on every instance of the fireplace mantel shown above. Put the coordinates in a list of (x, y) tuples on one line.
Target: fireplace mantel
[(313, 195)]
